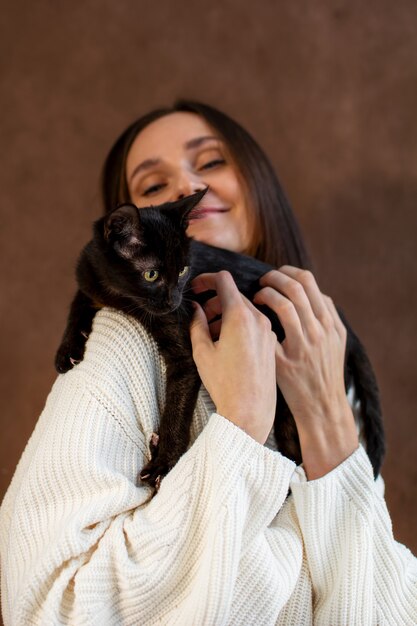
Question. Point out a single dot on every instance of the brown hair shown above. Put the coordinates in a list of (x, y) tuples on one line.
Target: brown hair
[(280, 240)]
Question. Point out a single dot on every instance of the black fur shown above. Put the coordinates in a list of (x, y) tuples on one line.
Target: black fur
[(110, 272)]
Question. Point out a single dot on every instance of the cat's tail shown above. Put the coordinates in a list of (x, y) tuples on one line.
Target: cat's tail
[(359, 372)]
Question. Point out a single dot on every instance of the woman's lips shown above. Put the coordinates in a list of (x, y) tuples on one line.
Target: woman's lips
[(201, 212)]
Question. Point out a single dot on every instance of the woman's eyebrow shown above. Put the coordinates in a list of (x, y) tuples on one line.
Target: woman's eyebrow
[(189, 145), (145, 165), (197, 141)]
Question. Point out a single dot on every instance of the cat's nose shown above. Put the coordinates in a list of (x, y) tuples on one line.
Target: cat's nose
[(174, 299)]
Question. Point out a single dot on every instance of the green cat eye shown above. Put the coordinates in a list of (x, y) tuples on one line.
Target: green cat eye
[(150, 275), (184, 271)]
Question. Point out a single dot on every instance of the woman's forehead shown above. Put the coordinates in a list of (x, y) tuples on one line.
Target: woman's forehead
[(170, 134)]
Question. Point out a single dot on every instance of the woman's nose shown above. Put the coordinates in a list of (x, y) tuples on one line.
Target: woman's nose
[(189, 184)]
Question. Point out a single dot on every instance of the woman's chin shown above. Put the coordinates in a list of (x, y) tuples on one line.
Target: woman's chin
[(212, 239)]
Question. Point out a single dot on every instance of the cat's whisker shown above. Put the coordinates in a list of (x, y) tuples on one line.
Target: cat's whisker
[(133, 308)]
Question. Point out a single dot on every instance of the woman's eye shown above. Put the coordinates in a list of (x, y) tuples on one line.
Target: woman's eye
[(150, 275), (213, 163), (184, 271), (153, 189)]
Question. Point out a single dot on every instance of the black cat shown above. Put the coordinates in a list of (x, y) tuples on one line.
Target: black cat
[(141, 262)]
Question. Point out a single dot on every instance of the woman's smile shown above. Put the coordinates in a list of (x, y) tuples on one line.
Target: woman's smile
[(202, 212)]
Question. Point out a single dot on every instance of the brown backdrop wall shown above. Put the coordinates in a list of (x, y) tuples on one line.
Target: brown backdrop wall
[(329, 89)]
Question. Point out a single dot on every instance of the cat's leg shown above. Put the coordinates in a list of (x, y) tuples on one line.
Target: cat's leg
[(358, 369), (366, 391), (183, 383), (80, 320), (285, 430)]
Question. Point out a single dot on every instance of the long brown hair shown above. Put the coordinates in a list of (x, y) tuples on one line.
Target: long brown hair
[(280, 240)]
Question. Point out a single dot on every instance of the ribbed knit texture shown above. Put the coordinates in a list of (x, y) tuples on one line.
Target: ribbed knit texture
[(82, 543)]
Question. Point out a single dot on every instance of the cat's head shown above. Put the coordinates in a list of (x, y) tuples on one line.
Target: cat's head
[(147, 252)]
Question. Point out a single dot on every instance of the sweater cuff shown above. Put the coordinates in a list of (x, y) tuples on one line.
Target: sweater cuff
[(237, 466), (239, 454), (353, 477)]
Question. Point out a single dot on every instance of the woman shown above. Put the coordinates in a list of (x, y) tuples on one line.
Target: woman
[(220, 543)]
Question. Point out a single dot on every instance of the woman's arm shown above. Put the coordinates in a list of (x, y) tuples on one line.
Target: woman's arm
[(309, 367), (359, 573), (82, 543)]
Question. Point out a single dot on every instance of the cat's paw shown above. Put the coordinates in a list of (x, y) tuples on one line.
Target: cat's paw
[(155, 471), (158, 466), (68, 355)]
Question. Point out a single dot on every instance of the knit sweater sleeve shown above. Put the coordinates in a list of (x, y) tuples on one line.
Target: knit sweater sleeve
[(82, 541), (359, 573)]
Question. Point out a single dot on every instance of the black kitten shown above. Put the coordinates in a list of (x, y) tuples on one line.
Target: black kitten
[(141, 262)]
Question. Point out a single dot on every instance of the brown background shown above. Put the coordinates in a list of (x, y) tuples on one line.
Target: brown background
[(330, 91)]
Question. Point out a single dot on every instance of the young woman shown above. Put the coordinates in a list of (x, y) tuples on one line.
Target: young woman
[(223, 541)]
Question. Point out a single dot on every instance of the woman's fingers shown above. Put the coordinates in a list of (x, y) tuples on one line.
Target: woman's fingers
[(284, 309), (338, 324), (199, 330), (223, 284), (292, 293), (301, 288), (212, 308), (227, 293)]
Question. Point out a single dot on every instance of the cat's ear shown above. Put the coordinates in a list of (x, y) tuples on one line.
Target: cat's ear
[(122, 229), (183, 208)]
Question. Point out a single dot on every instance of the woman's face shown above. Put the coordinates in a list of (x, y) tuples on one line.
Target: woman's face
[(179, 154)]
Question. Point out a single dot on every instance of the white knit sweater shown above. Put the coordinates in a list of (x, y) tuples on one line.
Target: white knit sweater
[(220, 543)]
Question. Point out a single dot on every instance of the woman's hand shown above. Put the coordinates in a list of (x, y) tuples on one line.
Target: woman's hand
[(235, 358), (309, 367)]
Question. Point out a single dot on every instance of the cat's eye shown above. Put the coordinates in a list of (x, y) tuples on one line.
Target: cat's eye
[(184, 271), (150, 275)]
